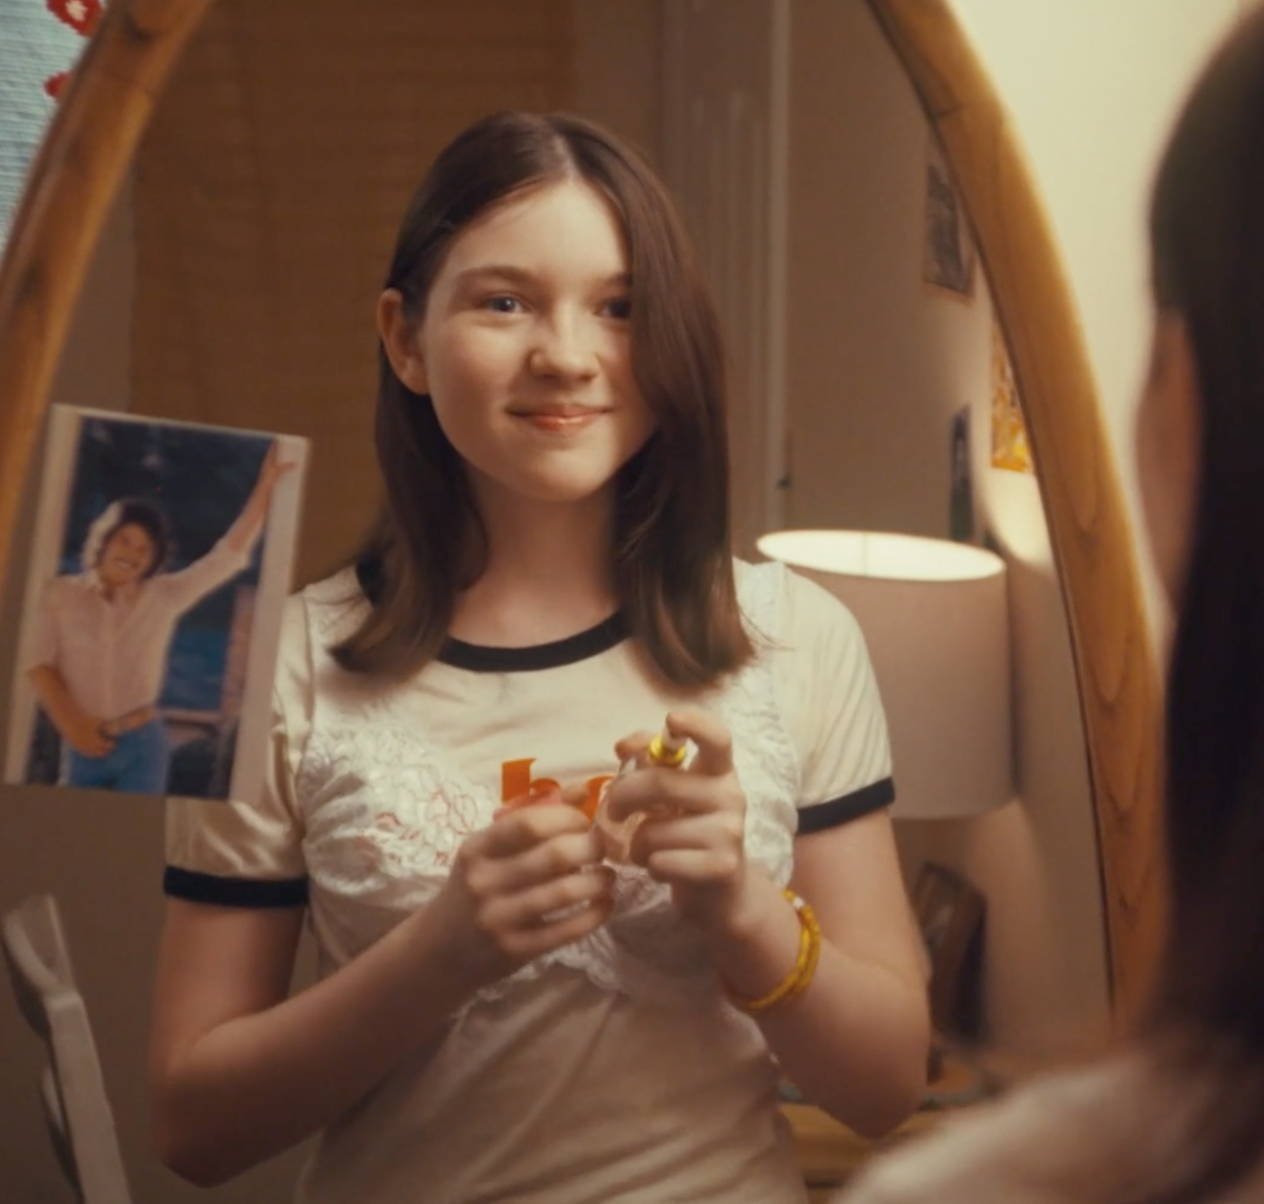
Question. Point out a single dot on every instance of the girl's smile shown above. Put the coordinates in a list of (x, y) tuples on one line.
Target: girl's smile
[(561, 420)]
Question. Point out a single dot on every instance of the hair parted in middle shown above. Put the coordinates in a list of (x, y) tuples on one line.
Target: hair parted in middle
[(672, 559)]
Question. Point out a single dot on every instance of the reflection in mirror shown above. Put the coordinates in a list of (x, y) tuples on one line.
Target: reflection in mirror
[(246, 306), (260, 215)]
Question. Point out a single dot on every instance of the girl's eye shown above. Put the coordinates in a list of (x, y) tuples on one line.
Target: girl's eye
[(618, 307), (502, 303)]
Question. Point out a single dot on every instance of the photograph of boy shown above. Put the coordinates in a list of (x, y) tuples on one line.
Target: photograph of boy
[(140, 643)]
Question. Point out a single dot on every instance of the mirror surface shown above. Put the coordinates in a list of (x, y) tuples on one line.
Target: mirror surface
[(248, 311), (237, 280)]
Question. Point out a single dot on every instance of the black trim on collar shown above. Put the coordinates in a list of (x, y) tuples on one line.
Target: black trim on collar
[(816, 817), (481, 658), (233, 892)]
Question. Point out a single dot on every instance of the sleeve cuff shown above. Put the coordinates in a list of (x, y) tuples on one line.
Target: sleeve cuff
[(233, 892), (816, 817)]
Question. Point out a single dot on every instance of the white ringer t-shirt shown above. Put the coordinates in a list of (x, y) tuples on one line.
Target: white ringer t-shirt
[(612, 1069)]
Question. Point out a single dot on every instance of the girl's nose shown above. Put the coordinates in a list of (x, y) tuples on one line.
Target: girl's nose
[(561, 350)]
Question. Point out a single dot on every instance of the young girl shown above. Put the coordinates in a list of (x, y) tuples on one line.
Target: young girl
[(1178, 1116), (507, 1009), (101, 648)]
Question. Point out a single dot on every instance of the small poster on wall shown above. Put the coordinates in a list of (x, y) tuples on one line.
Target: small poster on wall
[(161, 559), (948, 259), (1010, 448)]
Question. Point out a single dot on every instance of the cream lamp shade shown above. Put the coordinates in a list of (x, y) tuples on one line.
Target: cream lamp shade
[(935, 620)]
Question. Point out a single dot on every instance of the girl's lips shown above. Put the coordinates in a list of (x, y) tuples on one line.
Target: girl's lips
[(546, 421)]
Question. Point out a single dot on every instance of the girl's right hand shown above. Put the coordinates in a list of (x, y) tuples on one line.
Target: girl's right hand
[(530, 881)]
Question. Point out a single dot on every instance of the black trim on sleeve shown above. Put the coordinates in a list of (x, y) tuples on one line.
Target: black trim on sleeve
[(816, 817), (233, 892)]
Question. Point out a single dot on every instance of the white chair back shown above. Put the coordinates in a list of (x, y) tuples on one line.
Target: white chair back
[(76, 1108)]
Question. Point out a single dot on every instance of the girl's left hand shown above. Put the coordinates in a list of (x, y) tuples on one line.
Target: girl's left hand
[(692, 835)]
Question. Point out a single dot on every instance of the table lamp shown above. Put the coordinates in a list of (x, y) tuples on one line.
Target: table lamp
[(935, 620)]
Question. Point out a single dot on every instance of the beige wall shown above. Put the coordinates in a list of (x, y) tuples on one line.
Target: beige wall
[(878, 363), (617, 70)]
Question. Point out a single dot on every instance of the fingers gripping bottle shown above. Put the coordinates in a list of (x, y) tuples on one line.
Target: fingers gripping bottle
[(664, 750)]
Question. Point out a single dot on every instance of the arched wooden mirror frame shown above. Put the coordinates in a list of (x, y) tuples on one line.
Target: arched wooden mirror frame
[(103, 114)]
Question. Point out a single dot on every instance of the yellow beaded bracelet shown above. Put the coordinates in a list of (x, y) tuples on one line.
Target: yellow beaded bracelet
[(796, 982)]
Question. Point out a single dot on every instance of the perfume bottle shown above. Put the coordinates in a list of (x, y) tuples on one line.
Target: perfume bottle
[(663, 750)]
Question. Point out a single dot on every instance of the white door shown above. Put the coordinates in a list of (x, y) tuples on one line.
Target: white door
[(725, 78)]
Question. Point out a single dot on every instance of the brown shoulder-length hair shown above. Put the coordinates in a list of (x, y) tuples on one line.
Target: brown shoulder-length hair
[(1207, 245), (673, 566)]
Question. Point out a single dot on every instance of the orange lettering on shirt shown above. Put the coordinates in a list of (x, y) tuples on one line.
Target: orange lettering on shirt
[(592, 794), (516, 781), (517, 785)]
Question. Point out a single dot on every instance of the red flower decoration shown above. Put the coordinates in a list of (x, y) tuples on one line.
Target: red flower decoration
[(55, 83), (81, 15)]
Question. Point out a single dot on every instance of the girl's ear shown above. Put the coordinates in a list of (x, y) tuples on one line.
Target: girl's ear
[(399, 339)]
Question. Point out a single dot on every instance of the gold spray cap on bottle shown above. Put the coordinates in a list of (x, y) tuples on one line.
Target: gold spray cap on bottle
[(666, 749)]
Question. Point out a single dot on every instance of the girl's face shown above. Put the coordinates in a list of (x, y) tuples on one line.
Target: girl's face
[(1168, 437), (127, 556), (525, 348)]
